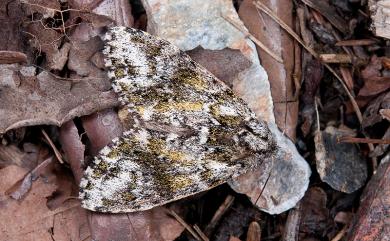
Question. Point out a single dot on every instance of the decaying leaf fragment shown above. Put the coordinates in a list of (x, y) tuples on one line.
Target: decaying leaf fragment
[(189, 131), (28, 99), (339, 164)]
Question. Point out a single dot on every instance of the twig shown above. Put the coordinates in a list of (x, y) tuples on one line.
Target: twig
[(317, 115), (336, 58), (356, 42), (185, 225), (254, 39), (350, 139), (201, 234), (56, 151), (340, 234), (219, 213)]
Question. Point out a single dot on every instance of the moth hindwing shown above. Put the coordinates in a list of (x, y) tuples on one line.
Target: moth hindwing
[(188, 131)]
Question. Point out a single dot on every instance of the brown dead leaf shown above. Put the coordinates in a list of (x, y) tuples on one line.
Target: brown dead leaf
[(371, 115), (21, 187), (9, 155), (79, 55), (374, 82), (45, 40), (30, 219), (386, 62), (48, 8), (27, 99), (314, 214), (96, 20), (10, 18), (100, 127)]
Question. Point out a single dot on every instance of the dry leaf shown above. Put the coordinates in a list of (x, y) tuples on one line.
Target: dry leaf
[(314, 214), (30, 219), (27, 99), (371, 115), (374, 82)]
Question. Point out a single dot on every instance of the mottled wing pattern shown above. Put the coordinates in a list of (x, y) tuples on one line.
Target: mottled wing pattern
[(188, 133)]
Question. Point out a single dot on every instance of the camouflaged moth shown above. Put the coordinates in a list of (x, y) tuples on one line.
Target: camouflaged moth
[(188, 131)]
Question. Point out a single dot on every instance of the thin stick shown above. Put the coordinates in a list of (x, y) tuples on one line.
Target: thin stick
[(317, 115), (219, 213), (201, 234), (254, 39), (356, 42), (56, 151), (269, 12), (340, 234), (185, 225), (350, 139)]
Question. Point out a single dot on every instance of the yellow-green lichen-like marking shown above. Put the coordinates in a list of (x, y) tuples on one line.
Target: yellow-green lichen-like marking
[(189, 77), (119, 72)]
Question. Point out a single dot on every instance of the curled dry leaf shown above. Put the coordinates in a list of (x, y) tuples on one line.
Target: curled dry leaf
[(341, 165), (27, 99), (374, 81), (372, 115)]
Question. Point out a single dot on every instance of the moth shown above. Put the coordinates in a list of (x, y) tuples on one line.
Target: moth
[(188, 131)]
